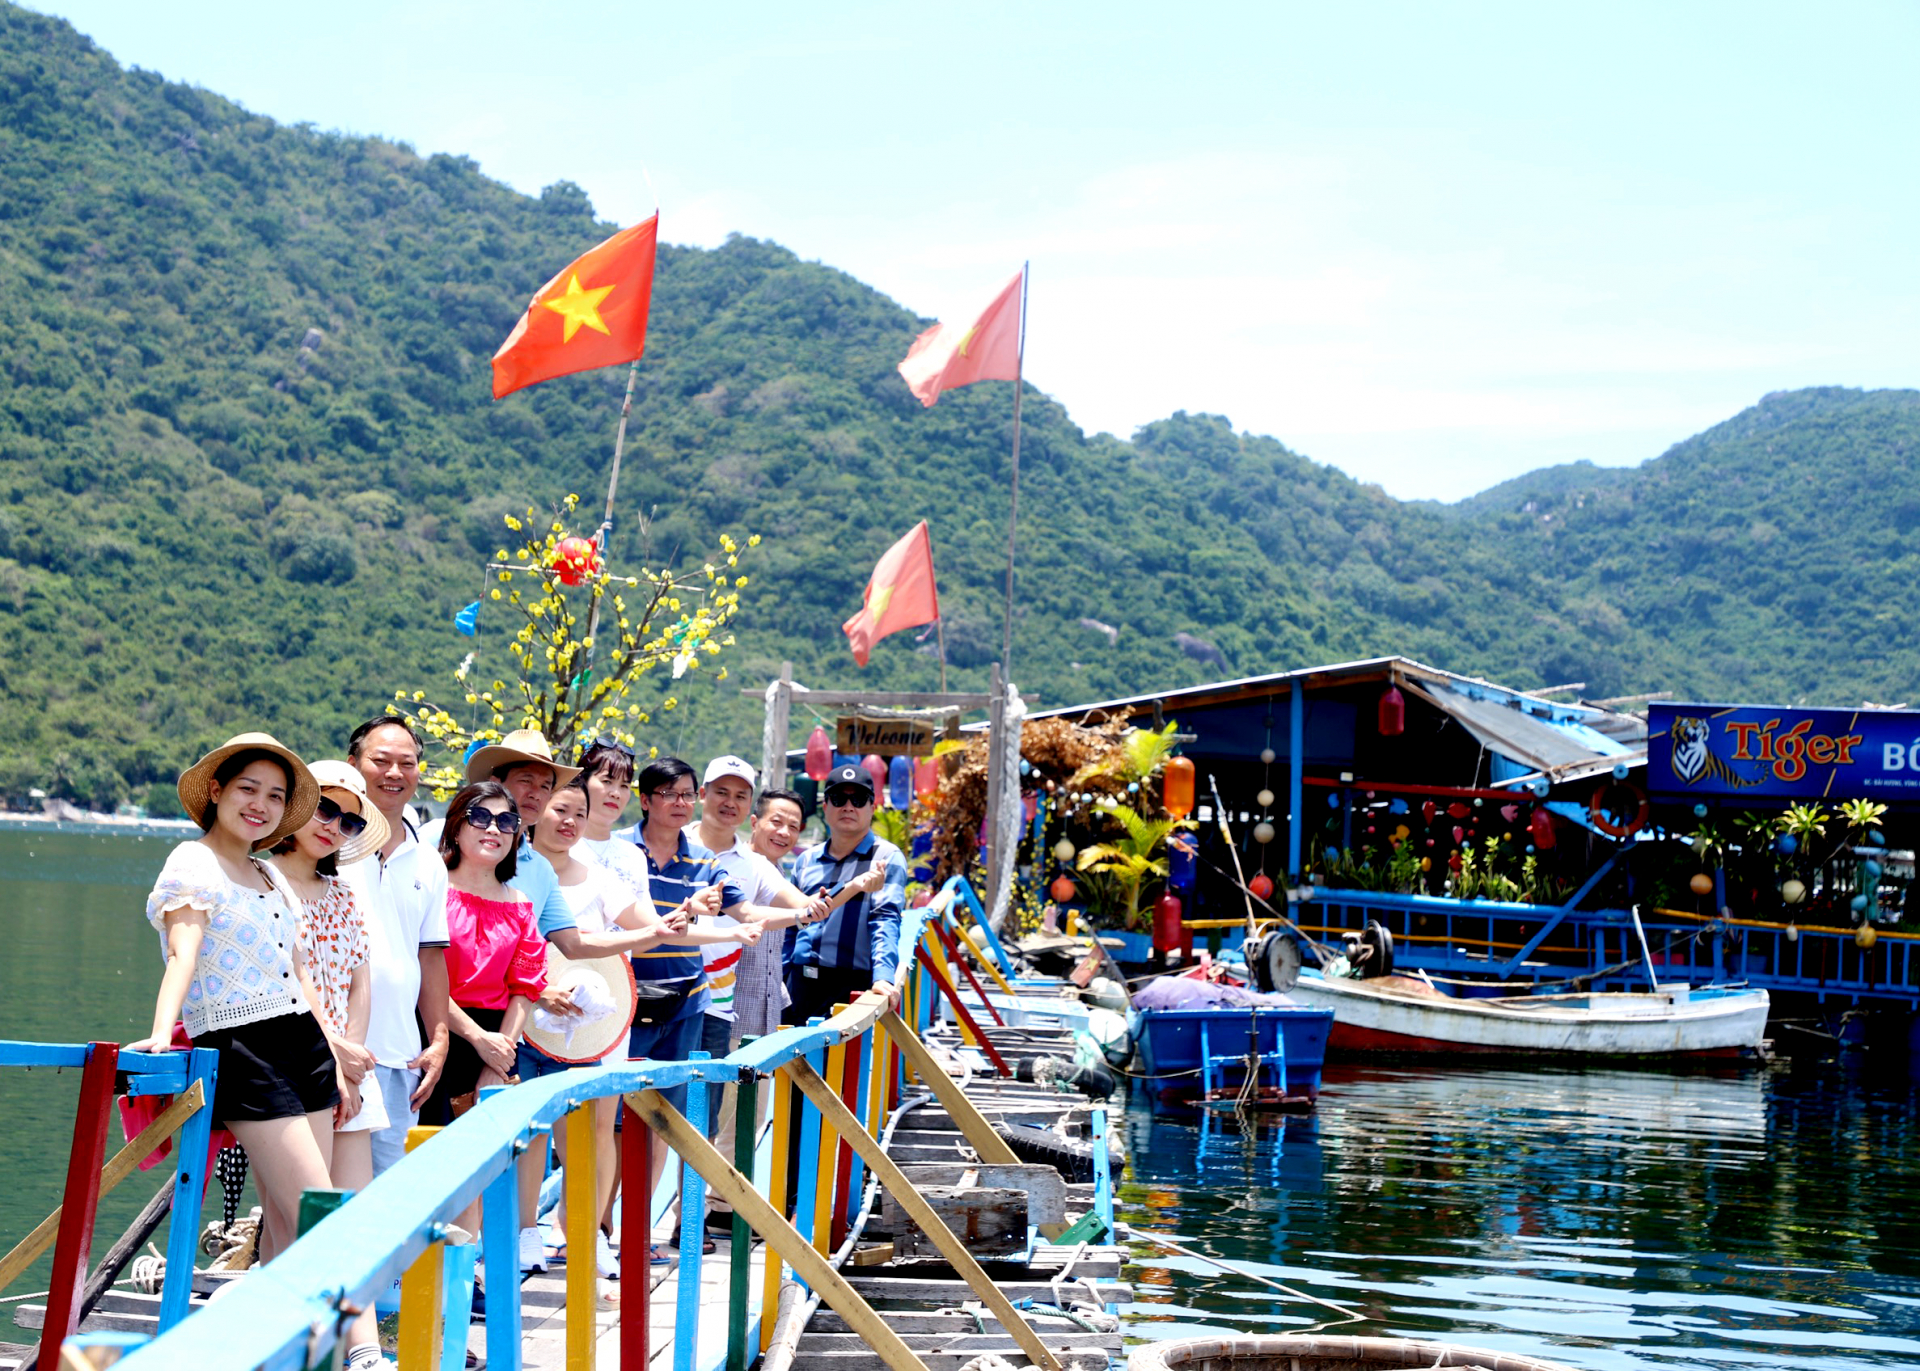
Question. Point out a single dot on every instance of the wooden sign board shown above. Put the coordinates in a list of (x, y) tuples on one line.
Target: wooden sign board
[(859, 736)]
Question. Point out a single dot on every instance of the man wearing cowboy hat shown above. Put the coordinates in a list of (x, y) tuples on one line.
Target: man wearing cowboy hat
[(858, 947)]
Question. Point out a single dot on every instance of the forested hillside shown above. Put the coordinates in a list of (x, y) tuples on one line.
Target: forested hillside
[(250, 466)]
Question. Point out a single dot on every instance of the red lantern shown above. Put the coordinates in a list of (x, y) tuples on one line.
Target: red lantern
[(1062, 890), (574, 559), (1177, 787), (926, 778), (1393, 712), (1540, 828), (1167, 932), (876, 766), (1261, 886), (1029, 805), (819, 754)]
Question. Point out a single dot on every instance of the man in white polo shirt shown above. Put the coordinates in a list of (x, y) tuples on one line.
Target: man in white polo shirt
[(403, 898)]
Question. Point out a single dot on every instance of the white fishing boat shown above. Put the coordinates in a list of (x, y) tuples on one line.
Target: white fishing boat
[(1410, 1016)]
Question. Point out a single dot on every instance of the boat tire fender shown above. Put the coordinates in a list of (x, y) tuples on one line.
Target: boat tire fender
[(1074, 1160), (1281, 957)]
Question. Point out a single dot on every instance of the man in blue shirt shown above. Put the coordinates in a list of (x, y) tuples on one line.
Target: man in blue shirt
[(858, 946)]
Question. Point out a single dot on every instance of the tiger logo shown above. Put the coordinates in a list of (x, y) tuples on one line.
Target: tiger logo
[(1694, 759)]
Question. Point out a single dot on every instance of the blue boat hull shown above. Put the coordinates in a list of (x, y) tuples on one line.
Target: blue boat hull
[(1170, 1047)]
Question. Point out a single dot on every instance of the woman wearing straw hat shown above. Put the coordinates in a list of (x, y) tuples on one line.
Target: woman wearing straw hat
[(345, 828), (228, 927)]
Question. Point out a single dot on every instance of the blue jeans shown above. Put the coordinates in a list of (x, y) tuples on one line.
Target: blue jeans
[(673, 1041)]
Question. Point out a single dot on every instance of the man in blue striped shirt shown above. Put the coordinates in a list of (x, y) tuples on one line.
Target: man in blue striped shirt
[(859, 944)]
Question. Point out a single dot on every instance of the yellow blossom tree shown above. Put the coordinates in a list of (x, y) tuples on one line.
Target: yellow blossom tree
[(586, 640)]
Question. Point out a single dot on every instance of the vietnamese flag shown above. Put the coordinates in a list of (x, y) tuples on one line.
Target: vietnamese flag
[(593, 314), (900, 593), (984, 348)]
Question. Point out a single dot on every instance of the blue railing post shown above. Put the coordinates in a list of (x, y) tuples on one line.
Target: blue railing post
[(189, 1190), (500, 1235), (693, 1237), (804, 1217)]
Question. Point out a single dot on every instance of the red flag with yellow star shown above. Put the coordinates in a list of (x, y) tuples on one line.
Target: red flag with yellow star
[(984, 348), (900, 593), (593, 314)]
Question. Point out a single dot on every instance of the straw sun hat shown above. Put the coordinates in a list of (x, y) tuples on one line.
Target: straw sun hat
[(521, 745), (587, 1042), (331, 775), (197, 781)]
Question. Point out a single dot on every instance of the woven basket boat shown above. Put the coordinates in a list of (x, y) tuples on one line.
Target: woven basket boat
[(1315, 1353)]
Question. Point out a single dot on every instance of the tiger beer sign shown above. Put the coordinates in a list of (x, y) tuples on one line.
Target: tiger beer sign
[(1764, 752)]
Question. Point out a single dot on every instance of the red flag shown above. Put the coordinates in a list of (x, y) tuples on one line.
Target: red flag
[(593, 314), (985, 348), (900, 593)]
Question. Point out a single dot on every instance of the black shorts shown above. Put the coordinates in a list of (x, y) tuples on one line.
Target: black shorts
[(278, 1068), (462, 1072)]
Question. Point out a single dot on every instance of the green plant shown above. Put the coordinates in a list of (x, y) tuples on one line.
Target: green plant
[(1137, 856), (1803, 822)]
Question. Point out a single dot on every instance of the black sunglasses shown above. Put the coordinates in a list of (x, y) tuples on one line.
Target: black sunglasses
[(483, 819), (606, 745), (859, 799), (351, 825)]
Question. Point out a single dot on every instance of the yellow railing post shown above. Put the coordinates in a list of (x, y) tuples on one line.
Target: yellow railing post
[(420, 1291), (583, 1228), (829, 1149)]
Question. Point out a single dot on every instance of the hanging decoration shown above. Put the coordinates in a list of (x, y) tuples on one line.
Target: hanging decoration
[(819, 755), (574, 559), (1177, 787), (900, 782), (1393, 712), (1261, 886), (1062, 890)]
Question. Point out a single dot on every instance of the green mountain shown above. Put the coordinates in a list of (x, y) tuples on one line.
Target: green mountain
[(250, 467)]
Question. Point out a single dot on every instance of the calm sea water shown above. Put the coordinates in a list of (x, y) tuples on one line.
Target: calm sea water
[(1607, 1219)]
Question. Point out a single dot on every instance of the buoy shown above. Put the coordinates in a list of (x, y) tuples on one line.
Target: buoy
[(1063, 850), (1261, 886), (1792, 892), (1264, 799), (1061, 890), (1263, 832), (1701, 884), (1864, 936)]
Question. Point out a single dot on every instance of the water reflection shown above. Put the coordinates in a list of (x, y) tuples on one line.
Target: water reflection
[(1607, 1219)]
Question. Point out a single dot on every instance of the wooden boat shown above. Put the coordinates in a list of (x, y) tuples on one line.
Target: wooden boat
[(1316, 1352), (1407, 1015)]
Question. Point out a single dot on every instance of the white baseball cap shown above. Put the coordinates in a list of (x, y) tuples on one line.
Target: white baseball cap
[(729, 766)]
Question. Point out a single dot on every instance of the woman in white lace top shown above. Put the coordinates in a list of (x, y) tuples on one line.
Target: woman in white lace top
[(235, 975)]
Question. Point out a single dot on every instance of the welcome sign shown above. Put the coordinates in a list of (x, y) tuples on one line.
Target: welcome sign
[(1766, 752)]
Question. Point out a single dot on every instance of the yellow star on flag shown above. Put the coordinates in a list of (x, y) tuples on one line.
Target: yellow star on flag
[(967, 338), (579, 307), (877, 606)]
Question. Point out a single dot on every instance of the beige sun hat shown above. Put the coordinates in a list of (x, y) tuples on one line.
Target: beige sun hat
[(610, 979), (196, 782), (337, 775), (521, 745)]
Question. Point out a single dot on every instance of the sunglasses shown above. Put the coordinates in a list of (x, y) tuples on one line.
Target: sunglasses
[(483, 819), (605, 745), (858, 799), (351, 825)]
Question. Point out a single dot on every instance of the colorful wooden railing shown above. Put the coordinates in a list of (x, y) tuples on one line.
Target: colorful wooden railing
[(190, 1078), (834, 1085)]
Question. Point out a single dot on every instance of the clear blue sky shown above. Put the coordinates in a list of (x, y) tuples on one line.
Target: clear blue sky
[(1434, 245)]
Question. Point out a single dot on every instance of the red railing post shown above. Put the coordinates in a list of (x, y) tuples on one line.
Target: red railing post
[(74, 1245), (953, 998), (636, 1237), (953, 951), (849, 1085)]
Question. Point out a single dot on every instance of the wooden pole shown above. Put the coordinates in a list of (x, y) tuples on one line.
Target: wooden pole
[(1013, 504), (583, 1228), (776, 1198), (997, 782), (773, 757)]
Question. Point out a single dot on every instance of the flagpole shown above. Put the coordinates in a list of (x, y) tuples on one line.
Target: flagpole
[(1013, 508), (604, 534), (940, 637)]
